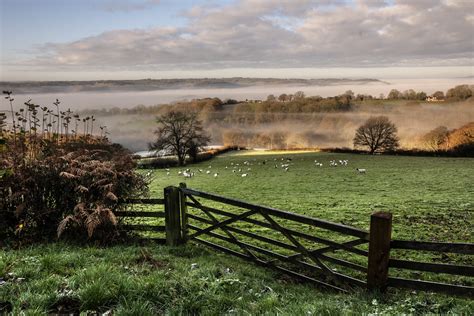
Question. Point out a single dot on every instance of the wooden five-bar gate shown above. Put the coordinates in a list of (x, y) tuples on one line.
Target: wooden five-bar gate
[(331, 255)]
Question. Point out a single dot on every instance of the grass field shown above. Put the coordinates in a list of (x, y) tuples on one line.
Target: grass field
[(431, 199)]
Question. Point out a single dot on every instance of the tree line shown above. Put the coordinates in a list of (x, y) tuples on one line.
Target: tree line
[(458, 93)]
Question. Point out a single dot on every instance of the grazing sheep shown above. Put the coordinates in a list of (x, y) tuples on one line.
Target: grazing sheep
[(216, 175), (361, 170), (188, 174), (208, 172), (168, 173), (244, 175)]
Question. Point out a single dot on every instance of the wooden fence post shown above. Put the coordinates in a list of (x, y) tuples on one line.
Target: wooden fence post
[(184, 212), (379, 250), (172, 216)]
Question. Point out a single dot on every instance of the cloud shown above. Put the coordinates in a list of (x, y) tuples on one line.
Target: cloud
[(128, 5), (274, 34)]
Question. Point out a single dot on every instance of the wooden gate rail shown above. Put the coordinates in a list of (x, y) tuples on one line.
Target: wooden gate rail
[(308, 261), (348, 246), (317, 256), (143, 214), (345, 229), (462, 248)]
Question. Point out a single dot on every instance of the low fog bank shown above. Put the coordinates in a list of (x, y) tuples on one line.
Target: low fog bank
[(308, 130), (78, 101)]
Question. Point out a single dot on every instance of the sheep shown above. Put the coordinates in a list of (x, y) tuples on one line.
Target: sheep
[(216, 175), (286, 169), (168, 173), (361, 170), (208, 172), (188, 174), (244, 175)]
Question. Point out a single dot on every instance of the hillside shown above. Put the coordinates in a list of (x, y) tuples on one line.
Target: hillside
[(32, 87)]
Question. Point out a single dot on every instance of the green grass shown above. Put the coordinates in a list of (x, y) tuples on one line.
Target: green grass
[(184, 280), (431, 199)]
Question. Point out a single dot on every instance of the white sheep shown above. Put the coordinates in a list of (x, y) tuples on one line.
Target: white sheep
[(188, 174), (244, 175), (361, 170)]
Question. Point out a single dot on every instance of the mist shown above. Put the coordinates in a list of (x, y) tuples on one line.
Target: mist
[(315, 130), (79, 101), (300, 130)]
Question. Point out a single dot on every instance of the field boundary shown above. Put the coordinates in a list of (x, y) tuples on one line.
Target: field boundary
[(350, 258)]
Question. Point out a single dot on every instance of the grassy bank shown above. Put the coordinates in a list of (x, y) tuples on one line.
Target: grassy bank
[(150, 280)]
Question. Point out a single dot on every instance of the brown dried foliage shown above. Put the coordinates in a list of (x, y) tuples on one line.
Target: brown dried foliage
[(66, 189)]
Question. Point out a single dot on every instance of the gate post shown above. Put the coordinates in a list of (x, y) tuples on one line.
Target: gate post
[(172, 216), (379, 250), (184, 212)]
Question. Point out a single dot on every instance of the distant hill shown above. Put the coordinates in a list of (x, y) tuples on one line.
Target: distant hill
[(33, 87)]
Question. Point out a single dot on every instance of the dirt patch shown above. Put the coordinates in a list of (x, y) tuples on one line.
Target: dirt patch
[(5, 307), (145, 257), (66, 306)]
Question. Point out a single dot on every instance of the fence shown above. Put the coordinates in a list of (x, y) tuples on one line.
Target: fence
[(143, 220), (331, 255)]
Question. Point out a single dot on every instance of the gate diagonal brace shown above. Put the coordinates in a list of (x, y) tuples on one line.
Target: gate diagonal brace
[(297, 244), (327, 249), (223, 223), (214, 219)]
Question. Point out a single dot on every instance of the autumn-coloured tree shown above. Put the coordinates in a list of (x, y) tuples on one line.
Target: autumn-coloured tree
[(378, 134), (438, 95), (461, 92), (436, 138)]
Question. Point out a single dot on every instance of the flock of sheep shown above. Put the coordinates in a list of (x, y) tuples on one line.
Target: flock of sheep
[(244, 169)]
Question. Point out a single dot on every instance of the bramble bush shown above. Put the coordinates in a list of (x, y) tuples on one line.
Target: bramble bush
[(68, 189), (52, 185)]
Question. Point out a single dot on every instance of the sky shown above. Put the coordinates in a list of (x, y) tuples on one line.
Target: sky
[(134, 39)]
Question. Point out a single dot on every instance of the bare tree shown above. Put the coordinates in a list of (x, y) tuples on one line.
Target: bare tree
[(299, 95), (378, 134), (180, 133)]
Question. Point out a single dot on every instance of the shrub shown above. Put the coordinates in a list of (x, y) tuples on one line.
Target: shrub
[(68, 188)]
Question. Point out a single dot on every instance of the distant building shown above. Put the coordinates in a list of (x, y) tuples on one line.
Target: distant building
[(433, 99)]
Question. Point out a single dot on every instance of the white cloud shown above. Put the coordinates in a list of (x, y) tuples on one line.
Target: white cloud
[(274, 34), (128, 5)]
